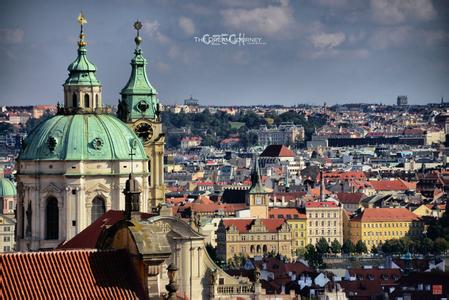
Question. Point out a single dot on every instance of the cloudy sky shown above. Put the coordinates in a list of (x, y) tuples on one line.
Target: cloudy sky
[(313, 51)]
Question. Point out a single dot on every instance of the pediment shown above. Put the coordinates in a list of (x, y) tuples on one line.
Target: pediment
[(99, 188), (51, 189)]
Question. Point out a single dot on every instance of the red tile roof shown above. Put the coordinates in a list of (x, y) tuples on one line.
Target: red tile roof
[(320, 204), (277, 151), (342, 175), (244, 225), (75, 274), (350, 198), (87, 239), (386, 214), (293, 213), (393, 185)]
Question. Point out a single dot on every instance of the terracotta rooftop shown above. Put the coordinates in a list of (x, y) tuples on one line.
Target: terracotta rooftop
[(350, 198), (286, 213), (386, 214), (277, 151), (320, 204), (87, 239), (74, 274), (244, 225), (393, 185)]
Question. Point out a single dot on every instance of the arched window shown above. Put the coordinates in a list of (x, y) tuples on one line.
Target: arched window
[(52, 219), (96, 101), (98, 208), (86, 100), (265, 249), (252, 248), (74, 100)]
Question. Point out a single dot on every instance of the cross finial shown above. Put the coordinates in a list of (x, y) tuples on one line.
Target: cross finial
[(138, 27), (82, 20), (132, 153)]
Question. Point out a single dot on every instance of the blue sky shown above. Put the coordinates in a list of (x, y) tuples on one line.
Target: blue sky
[(336, 51)]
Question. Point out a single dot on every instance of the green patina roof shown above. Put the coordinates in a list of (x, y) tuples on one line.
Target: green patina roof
[(257, 187), (82, 137), (82, 71), (138, 82), (138, 96), (7, 188)]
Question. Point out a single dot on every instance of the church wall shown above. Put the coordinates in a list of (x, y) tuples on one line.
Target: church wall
[(75, 185)]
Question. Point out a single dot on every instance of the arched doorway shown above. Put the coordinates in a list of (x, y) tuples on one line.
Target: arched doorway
[(52, 219), (98, 208), (74, 100)]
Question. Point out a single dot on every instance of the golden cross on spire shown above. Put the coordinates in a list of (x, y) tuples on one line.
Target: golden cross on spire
[(82, 20)]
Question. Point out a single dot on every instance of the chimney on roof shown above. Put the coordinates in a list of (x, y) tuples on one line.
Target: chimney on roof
[(321, 186), (132, 198)]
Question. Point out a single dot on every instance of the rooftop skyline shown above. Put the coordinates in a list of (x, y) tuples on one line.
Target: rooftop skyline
[(333, 51)]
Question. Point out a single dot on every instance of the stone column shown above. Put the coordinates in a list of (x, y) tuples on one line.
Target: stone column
[(62, 230)]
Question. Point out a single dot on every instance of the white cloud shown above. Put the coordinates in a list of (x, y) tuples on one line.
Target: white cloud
[(151, 28), (398, 11), (11, 36), (269, 20), (163, 67), (186, 25), (407, 36), (390, 37), (327, 40)]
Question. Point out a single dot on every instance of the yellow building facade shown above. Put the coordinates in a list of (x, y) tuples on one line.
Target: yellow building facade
[(374, 226), (253, 237), (297, 222)]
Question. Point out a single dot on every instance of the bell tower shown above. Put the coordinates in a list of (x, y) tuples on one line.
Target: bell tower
[(82, 90), (258, 196), (140, 109)]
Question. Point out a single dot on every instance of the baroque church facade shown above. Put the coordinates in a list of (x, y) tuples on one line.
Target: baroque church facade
[(73, 167)]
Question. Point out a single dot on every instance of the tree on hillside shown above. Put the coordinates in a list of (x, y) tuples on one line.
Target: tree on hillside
[(322, 246), (314, 259), (348, 247), (360, 247), (335, 246)]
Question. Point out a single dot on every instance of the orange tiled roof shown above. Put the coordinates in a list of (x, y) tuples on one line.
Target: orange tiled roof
[(320, 204), (277, 151), (244, 225), (284, 212), (75, 274), (393, 185), (386, 214), (87, 239)]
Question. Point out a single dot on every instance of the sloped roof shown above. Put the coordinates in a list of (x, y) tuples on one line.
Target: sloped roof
[(350, 198), (393, 185), (74, 274), (320, 204), (87, 239), (293, 213), (244, 225), (386, 214), (277, 151)]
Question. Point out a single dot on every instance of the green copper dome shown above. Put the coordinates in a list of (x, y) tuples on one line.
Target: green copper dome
[(82, 71), (82, 137), (7, 188), (139, 98)]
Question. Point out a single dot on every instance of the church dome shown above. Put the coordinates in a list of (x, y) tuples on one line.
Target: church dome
[(7, 188), (82, 137)]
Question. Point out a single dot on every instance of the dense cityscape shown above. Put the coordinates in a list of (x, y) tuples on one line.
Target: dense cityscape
[(149, 200)]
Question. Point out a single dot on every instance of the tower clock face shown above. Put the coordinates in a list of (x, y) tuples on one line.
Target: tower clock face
[(144, 130)]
